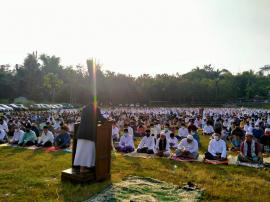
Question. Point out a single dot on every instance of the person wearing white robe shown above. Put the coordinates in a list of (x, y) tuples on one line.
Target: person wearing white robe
[(183, 131), (126, 143), (208, 129), (115, 132), (3, 137), (46, 139), (162, 147), (4, 125), (130, 131), (173, 141), (147, 144), (217, 149), (188, 147), (17, 136)]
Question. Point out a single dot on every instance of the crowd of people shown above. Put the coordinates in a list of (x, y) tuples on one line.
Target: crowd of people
[(161, 131), (167, 131), (42, 129)]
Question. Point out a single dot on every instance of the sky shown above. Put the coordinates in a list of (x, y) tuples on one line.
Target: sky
[(139, 36)]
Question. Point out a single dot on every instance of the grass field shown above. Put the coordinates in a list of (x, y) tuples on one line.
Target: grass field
[(27, 175)]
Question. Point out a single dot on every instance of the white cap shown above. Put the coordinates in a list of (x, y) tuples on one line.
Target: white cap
[(267, 130), (249, 133), (190, 137), (162, 133)]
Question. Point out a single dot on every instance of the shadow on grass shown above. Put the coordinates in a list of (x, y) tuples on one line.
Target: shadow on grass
[(82, 192)]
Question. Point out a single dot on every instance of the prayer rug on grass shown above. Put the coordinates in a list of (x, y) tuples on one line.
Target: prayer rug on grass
[(52, 149), (141, 155), (253, 165), (182, 159), (34, 147), (141, 189), (215, 162), (67, 150)]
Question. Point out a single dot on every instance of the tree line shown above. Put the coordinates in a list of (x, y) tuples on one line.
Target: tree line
[(43, 79)]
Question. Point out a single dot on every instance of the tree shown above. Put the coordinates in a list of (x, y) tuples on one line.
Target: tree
[(52, 83)]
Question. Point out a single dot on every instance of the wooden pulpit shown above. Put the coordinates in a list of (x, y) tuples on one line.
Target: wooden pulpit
[(101, 171)]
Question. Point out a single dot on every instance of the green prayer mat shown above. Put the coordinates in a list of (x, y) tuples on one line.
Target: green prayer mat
[(139, 189)]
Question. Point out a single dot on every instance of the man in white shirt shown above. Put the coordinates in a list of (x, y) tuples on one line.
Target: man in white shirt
[(167, 131), (56, 125), (173, 141), (147, 143), (153, 130), (130, 130), (126, 143), (217, 149), (3, 136), (188, 148), (17, 136), (183, 131), (115, 132), (3, 125), (248, 127), (46, 139), (208, 129)]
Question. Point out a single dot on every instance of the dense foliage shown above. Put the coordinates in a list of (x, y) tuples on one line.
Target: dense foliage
[(44, 79)]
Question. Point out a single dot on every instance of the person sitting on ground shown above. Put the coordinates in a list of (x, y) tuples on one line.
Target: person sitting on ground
[(257, 133), (250, 150), (17, 135), (238, 131), (224, 133), (115, 132), (126, 143), (3, 125), (140, 131), (167, 130), (46, 139), (265, 140), (63, 139), (162, 147), (173, 141), (147, 143), (130, 130), (217, 149), (236, 142), (3, 136), (187, 148), (196, 136), (208, 129), (182, 131), (29, 137), (50, 127), (191, 126), (35, 129), (153, 130)]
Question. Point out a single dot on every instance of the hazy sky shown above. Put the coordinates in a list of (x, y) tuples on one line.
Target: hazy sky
[(139, 36)]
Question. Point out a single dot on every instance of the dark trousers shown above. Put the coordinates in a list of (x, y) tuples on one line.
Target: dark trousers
[(145, 150), (47, 144), (209, 156), (29, 143)]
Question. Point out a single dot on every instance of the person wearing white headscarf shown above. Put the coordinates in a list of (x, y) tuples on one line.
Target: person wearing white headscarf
[(188, 147)]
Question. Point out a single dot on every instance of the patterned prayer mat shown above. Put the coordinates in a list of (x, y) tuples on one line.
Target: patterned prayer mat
[(139, 189), (141, 155)]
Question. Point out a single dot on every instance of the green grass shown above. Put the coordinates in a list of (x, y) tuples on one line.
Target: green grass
[(27, 175)]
